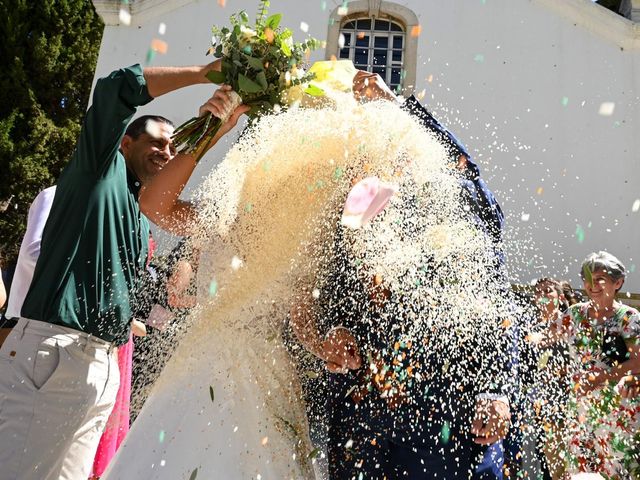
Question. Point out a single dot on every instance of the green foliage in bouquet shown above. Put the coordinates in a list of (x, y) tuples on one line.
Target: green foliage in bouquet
[(259, 61)]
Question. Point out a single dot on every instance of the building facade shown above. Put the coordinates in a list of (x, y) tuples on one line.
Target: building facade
[(544, 93)]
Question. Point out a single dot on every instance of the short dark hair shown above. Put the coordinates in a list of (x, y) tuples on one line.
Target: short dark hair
[(139, 125), (561, 288)]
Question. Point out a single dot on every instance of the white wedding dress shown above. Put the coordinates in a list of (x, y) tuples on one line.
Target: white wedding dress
[(210, 416)]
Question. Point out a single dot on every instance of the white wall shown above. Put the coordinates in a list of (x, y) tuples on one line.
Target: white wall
[(503, 71)]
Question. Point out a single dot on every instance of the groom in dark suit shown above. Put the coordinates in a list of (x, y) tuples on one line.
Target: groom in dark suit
[(395, 408)]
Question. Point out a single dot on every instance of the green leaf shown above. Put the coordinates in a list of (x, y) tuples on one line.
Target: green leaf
[(262, 80), (216, 77), (211, 393), (314, 453), (285, 49), (247, 85), (193, 475), (314, 91), (586, 273), (273, 21), (255, 63), (286, 34), (244, 17)]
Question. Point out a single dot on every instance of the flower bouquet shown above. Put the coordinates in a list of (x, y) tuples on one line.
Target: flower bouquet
[(260, 62)]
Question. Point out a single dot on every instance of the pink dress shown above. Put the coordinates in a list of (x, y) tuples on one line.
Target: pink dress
[(118, 423)]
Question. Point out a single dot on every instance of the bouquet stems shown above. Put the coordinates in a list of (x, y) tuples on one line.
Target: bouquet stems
[(194, 136)]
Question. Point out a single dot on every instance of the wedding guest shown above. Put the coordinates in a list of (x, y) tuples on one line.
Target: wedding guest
[(58, 371), (605, 336), (28, 255), (544, 359)]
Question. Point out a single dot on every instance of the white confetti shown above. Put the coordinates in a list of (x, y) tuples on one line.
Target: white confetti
[(636, 205), (525, 217), (341, 40), (304, 26), (342, 11), (316, 293), (124, 16), (236, 263), (606, 109), (349, 444), (162, 28)]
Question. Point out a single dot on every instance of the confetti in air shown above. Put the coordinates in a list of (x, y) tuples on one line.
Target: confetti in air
[(162, 28), (151, 54), (565, 101), (342, 11), (479, 58), (159, 46), (414, 239), (124, 16), (236, 263), (213, 288), (607, 109), (525, 217), (579, 233), (636, 205), (304, 26), (416, 30), (222, 3)]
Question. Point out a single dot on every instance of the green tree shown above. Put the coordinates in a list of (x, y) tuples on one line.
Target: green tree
[(49, 50)]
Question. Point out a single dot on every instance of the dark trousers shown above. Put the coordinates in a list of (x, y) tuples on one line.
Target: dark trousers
[(369, 440)]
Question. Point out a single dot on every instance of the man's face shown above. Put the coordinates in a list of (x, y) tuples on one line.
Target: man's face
[(151, 151)]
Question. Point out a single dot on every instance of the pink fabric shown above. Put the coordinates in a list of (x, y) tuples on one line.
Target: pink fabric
[(118, 423)]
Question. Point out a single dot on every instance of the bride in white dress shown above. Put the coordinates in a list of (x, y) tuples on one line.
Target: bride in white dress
[(228, 404)]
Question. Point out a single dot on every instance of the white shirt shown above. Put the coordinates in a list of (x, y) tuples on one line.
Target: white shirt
[(29, 251)]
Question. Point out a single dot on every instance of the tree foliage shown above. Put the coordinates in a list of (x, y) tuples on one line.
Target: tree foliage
[(49, 50)]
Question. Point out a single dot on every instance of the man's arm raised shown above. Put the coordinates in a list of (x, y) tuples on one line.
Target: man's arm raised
[(159, 199), (161, 80)]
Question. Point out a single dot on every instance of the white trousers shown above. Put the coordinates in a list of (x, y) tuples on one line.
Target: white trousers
[(57, 389)]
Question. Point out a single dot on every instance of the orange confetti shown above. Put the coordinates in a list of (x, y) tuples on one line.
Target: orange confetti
[(159, 46), (416, 30), (264, 441), (506, 323), (222, 3), (539, 190), (430, 78)]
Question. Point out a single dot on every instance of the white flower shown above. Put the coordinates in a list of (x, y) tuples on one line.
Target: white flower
[(297, 73), (247, 34)]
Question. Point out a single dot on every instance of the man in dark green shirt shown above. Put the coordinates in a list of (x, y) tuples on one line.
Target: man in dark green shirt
[(58, 368)]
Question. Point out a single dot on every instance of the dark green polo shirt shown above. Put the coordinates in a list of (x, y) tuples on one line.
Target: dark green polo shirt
[(95, 242)]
